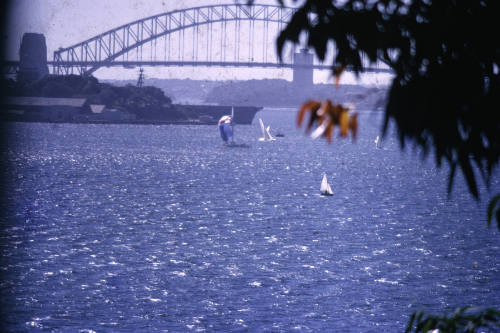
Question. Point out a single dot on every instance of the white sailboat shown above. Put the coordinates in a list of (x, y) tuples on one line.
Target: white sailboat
[(325, 188), (266, 133), (377, 142)]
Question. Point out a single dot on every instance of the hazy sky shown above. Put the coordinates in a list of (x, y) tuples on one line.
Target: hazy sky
[(67, 22)]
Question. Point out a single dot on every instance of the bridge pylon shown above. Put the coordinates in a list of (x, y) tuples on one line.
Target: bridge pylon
[(32, 57), (303, 68)]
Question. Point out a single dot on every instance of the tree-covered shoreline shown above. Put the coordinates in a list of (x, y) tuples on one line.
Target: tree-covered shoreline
[(146, 103)]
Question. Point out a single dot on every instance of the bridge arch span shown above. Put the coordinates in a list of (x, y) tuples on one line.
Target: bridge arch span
[(103, 49)]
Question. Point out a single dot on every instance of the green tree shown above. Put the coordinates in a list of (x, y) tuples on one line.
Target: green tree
[(445, 95)]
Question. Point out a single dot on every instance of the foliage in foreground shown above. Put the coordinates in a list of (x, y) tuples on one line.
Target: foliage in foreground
[(445, 56), (466, 319)]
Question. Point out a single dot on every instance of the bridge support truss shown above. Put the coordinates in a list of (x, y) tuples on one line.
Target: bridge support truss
[(117, 44)]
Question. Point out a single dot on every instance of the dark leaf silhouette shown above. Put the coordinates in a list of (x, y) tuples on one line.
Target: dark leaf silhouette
[(494, 210), (445, 56), (466, 319)]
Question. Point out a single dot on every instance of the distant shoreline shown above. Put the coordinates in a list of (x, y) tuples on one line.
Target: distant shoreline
[(193, 122), (271, 93), (160, 123)]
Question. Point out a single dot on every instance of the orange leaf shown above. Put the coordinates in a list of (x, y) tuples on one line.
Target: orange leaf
[(337, 111), (310, 105), (344, 122), (326, 106)]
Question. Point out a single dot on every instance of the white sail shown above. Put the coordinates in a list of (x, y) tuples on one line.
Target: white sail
[(324, 184), (377, 142), (263, 130), (325, 188), (268, 133)]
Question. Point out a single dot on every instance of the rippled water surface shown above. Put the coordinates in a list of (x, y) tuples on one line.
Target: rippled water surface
[(162, 228)]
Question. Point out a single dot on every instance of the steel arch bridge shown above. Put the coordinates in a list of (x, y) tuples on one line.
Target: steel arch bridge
[(215, 37)]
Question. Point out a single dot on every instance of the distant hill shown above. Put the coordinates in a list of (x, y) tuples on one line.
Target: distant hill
[(281, 93), (268, 92)]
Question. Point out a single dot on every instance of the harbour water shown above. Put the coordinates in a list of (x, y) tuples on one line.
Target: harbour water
[(142, 228)]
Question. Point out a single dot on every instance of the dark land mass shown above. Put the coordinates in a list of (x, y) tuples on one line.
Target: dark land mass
[(151, 104), (267, 92), (146, 103), (184, 91)]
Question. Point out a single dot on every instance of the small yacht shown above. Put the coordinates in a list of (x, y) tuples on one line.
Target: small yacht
[(325, 188)]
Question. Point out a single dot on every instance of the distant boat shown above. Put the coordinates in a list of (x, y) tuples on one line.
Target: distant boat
[(279, 135), (377, 142), (226, 130), (266, 133), (226, 127), (325, 188)]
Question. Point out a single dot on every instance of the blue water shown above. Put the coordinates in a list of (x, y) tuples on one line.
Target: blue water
[(123, 228)]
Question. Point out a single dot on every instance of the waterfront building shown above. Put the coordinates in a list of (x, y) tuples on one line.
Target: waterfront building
[(43, 109)]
